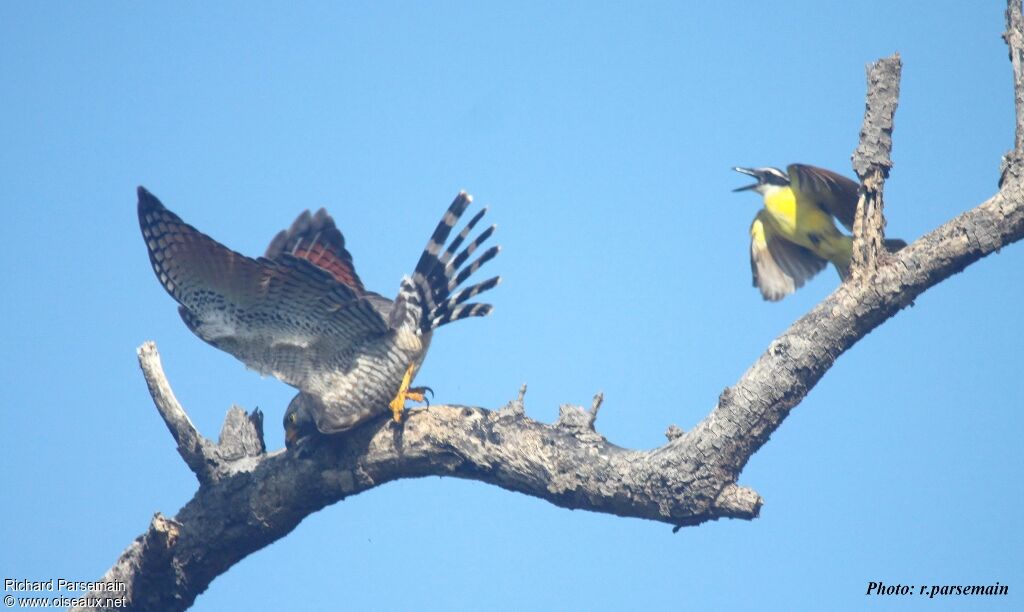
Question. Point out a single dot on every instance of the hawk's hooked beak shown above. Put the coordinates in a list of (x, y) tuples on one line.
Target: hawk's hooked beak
[(748, 172), (290, 437)]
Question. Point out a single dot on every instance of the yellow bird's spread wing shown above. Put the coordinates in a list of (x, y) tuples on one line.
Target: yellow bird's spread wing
[(779, 267), (834, 193)]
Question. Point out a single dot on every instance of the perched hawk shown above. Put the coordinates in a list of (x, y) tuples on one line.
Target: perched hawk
[(301, 314)]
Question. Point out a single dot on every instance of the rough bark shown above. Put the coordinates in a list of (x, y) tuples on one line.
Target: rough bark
[(248, 498), (871, 162)]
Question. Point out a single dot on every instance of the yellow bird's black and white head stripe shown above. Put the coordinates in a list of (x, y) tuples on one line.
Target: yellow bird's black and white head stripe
[(794, 236), (302, 315)]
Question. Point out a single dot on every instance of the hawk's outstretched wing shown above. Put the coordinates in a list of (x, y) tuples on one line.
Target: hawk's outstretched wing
[(315, 238), (280, 316)]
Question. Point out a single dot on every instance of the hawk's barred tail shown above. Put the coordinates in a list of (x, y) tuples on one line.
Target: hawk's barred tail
[(427, 296), (461, 312), (454, 246), (457, 279)]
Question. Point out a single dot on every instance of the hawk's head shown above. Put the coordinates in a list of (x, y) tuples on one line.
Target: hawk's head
[(298, 420)]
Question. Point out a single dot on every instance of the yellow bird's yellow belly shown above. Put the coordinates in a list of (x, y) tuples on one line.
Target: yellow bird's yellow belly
[(806, 225)]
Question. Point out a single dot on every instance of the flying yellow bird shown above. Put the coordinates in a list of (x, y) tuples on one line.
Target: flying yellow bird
[(794, 236)]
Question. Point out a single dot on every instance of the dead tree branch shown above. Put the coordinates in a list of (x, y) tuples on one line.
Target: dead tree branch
[(249, 498), (1014, 37), (241, 438), (871, 162)]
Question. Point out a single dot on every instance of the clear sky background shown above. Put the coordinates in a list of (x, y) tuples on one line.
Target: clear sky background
[(602, 136)]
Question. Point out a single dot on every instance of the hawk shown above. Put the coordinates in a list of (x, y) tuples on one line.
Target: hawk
[(301, 313)]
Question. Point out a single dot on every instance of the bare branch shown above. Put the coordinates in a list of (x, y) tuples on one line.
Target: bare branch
[(871, 162), (883, 94), (241, 438), (516, 407), (141, 567), (567, 464), (191, 445), (596, 404), (1014, 37)]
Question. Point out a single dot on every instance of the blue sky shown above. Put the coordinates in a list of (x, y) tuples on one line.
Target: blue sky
[(602, 136)]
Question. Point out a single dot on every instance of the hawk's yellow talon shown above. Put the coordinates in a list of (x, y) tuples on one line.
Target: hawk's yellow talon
[(398, 404)]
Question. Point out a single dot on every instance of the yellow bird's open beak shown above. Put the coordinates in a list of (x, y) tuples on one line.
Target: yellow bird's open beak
[(748, 172)]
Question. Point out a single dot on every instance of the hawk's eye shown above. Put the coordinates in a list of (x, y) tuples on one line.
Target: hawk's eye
[(291, 418)]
